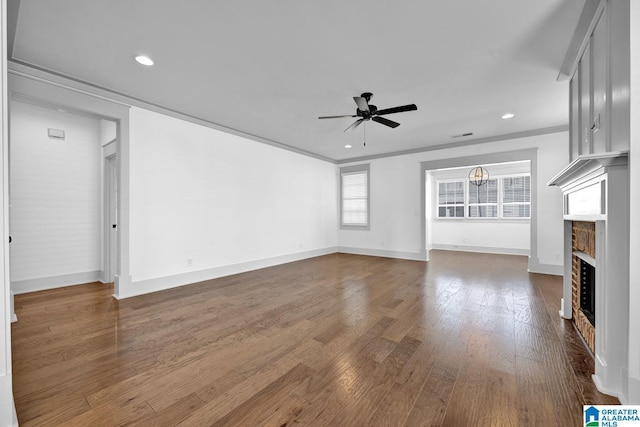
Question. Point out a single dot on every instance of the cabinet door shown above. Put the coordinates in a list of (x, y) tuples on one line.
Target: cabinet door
[(574, 117), (584, 71), (599, 117)]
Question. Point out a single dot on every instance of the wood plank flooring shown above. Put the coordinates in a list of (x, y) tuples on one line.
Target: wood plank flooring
[(339, 340)]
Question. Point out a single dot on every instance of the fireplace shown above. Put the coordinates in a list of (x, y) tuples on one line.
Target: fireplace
[(583, 279), (595, 191)]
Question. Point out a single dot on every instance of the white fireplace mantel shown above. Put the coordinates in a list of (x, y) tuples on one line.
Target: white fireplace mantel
[(583, 166), (596, 188)]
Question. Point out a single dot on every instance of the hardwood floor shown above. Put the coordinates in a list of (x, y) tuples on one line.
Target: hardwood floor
[(340, 340)]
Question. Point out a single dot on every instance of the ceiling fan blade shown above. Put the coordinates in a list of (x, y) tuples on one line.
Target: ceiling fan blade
[(400, 109), (354, 125), (362, 103), (336, 117), (385, 122)]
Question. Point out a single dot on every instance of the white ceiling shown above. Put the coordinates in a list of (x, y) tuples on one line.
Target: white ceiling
[(271, 68)]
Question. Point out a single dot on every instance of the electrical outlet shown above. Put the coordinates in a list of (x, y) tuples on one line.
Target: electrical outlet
[(189, 262), (557, 257)]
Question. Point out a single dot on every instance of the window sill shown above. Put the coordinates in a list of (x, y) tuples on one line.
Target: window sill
[(354, 227), (488, 220)]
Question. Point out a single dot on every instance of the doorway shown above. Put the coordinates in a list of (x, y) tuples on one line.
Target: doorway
[(63, 192), (427, 198), (491, 215), (110, 223)]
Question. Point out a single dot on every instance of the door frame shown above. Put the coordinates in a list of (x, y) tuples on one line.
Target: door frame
[(110, 215), (56, 91)]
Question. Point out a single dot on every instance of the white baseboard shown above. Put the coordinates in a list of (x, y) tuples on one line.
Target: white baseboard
[(162, 283), (611, 392), (413, 256), (44, 283), (14, 318), (480, 249), (536, 267), (565, 311)]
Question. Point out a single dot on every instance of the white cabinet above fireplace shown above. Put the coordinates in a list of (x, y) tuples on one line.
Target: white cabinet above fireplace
[(585, 186)]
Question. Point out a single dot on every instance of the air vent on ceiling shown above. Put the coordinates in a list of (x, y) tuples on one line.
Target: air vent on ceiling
[(56, 134), (462, 134)]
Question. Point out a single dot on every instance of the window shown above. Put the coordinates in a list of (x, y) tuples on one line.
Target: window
[(451, 199), (507, 197), (483, 200), (516, 197), (354, 183)]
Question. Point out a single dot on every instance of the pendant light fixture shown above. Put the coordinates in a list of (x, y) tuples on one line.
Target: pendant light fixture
[(478, 176)]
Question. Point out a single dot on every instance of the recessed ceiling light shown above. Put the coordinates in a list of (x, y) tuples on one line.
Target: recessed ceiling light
[(144, 60), (508, 116), (347, 146)]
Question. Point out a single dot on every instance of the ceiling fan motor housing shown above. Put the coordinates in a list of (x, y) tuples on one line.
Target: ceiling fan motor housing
[(367, 114)]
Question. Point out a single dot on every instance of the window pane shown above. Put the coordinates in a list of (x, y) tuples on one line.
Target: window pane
[(516, 189), (516, 196), (516, 211), (485, 193), (483, 211), (507, 191), (458, 193), (354, 198), (354, 212), (451, 199), (474, 193), (492, 191), (354, 186), (442, 193)]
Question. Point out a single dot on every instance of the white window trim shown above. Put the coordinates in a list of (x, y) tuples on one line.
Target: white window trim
[(348, 170), (501, 196), (466, 216), (438, 205)]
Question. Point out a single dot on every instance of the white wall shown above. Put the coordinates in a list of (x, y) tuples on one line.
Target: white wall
[(55, 198), (395, 211), (508, 236), (396, 224), (489, 236), (634, 214), (7, 408), (202, 200)]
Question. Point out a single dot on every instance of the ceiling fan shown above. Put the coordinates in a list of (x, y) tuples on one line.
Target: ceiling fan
[(368, 112)]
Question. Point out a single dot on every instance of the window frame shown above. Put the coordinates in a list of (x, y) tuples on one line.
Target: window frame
[(502, 204), (469, 204), (500, 193), (464, 198), (352, 170)]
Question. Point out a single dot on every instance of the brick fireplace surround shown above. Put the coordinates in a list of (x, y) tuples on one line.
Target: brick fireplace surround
[(583, 240)]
